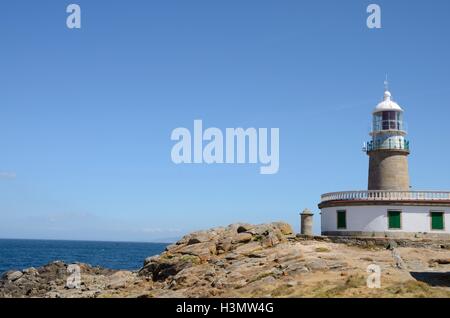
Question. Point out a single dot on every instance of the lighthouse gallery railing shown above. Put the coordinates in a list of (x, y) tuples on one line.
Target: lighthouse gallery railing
[(389, 144), (387, 196)]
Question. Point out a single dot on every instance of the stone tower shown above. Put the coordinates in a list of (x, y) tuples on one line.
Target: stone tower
[(388, 150), (306, 222)]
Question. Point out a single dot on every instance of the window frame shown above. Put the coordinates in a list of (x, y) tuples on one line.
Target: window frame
[(401, 221), (337, 219), (431, 220)]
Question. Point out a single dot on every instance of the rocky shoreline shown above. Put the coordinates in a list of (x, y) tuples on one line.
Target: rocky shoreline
[(244, 260)]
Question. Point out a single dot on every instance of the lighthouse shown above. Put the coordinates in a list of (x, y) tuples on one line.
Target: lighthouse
[(388, 208), (389, 149)]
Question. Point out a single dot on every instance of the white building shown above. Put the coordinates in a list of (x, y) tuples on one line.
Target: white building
[(388, 208)]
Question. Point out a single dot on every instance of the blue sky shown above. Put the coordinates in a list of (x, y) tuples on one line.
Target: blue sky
[(86, 115)]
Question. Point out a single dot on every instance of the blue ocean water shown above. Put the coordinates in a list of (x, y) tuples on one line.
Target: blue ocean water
[(20, 254)]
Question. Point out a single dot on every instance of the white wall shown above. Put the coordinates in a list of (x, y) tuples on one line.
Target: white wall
[(374, 218)]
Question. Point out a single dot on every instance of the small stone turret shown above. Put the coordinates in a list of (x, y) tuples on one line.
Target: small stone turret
[(306, 219)]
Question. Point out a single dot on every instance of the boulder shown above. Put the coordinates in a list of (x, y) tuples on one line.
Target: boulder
[(164, 266), (201, 237), (284, 228), (151, 259), (224, 245), (171, 247), (13, 276), (119, 280), (190, 276), (262, 229), (203, 250), (270, 240), (244, 228), (22, 281), (248, 249), (31, 271), (242, 238), (161, 271)]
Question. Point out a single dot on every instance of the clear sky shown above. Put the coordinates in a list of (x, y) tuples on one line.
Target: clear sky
[(86, 115)]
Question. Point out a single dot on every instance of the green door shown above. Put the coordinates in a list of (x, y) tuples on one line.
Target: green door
[(341, 219), (437, 220), (394, 219)]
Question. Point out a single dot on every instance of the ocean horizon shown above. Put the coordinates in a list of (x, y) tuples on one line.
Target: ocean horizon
[(17, 254)]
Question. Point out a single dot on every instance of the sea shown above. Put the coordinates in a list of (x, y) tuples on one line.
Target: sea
[(21, 254)]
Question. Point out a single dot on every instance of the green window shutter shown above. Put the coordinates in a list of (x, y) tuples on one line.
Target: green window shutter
[(394, 219), (341, 219), (437, 220)]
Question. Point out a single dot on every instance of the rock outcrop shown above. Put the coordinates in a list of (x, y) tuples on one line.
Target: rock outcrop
[(237, 240), (47, 280), (244, 260)]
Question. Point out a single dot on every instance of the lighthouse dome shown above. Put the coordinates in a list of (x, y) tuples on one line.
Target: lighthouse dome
[(387, 104)]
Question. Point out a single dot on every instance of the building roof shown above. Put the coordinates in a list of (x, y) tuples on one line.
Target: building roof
[(387, 104)]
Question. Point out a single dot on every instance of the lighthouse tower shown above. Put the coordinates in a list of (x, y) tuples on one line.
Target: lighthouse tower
[(388, 150)]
